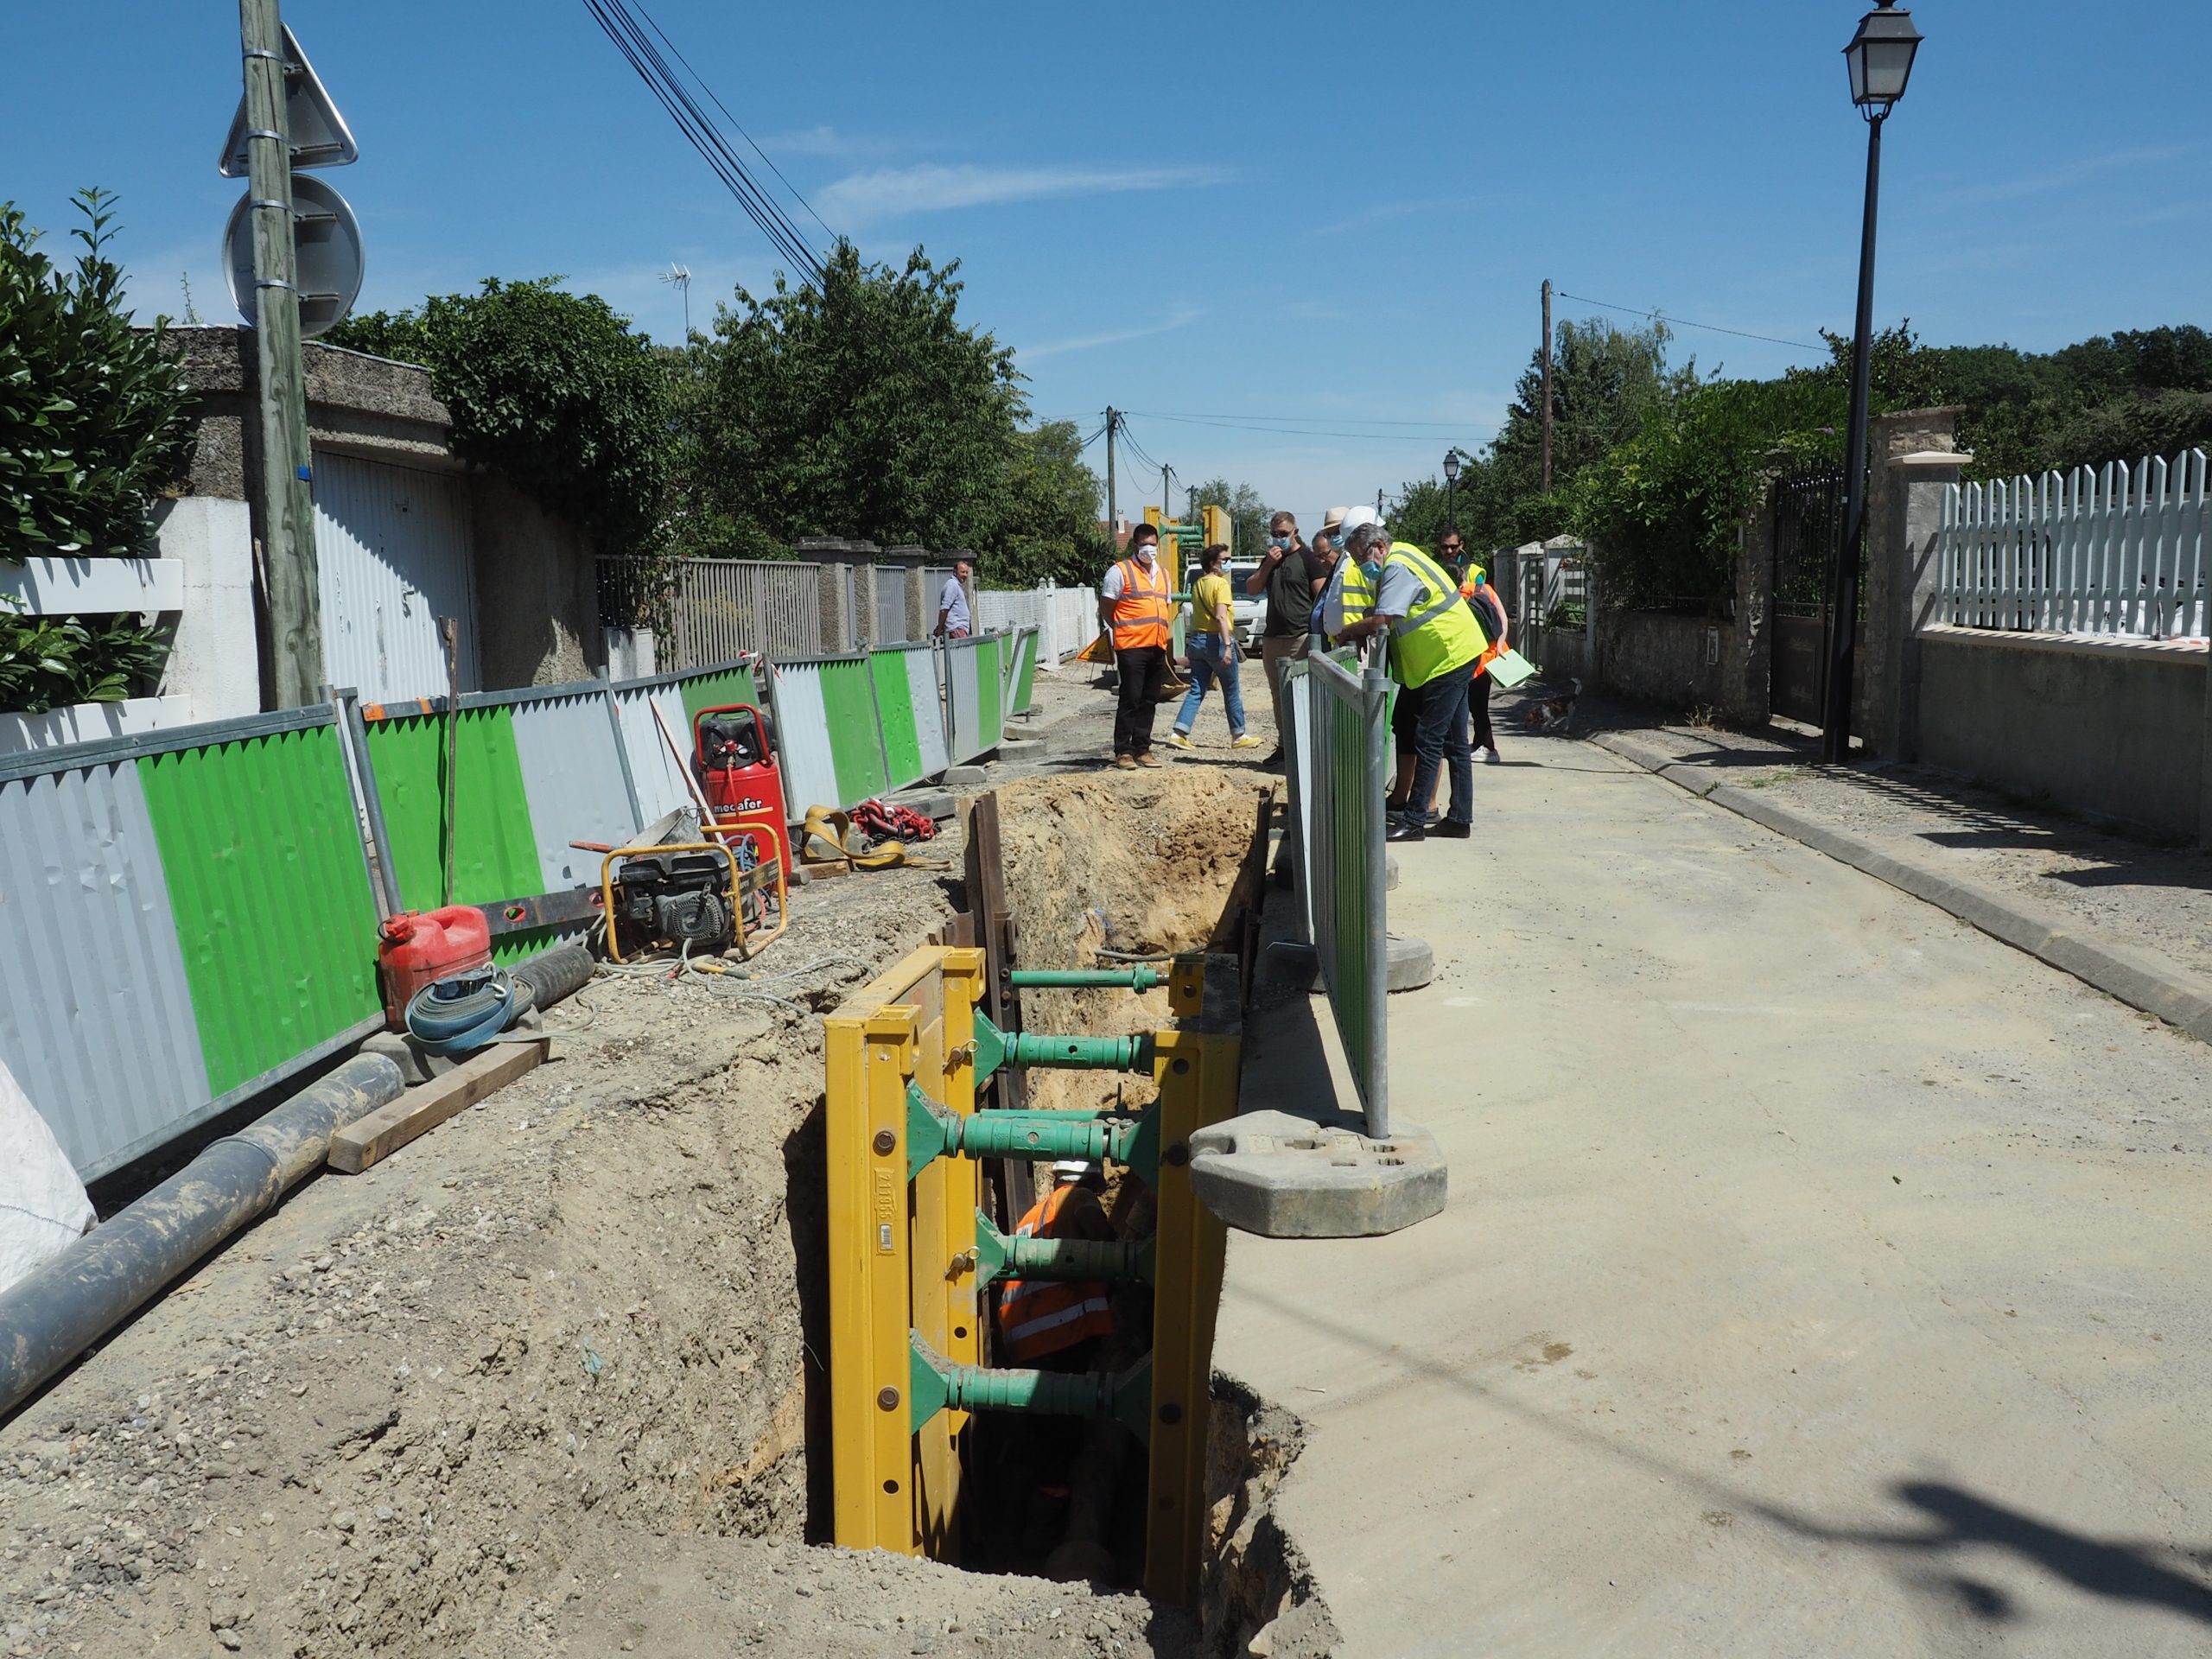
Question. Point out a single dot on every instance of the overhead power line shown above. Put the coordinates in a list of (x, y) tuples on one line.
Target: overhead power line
[(1300, 432), (621, 23), (1684, 322)]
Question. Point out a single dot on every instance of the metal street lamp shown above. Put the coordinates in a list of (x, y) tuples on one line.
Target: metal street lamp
[(1451, 488), (1880, 58)]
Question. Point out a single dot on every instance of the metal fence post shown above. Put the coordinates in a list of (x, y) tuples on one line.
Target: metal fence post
[(1375, 701)]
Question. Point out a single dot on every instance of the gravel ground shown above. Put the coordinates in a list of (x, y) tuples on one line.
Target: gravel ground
[(542, 1382), (2137, 894)]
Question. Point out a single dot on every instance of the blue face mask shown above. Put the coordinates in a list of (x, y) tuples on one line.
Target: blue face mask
[(1373, 567), (1278, 541)]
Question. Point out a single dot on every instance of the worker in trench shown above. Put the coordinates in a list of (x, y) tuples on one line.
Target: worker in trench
[(1068, 1325)]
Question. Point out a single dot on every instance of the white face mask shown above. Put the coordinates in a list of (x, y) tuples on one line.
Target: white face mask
[(1145, 550)]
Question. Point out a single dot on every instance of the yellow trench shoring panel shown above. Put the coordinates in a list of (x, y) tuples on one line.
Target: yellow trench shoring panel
[(901, 1256), (891, 1243)]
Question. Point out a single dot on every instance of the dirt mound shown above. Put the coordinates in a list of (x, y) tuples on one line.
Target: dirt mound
[(1136, 861)]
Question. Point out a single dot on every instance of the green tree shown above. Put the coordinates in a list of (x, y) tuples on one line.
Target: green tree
[(1050, 520), (549, 389), (859, 409), (95, 425), (95, 418)]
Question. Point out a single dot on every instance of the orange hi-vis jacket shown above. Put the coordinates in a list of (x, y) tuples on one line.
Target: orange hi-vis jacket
[(1144, 613), (1041, 1316), (1497, 647)]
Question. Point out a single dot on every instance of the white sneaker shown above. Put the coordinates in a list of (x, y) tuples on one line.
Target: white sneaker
[(1492, 758)]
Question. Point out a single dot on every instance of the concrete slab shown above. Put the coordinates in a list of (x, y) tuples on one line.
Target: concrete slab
[(1819, 1276)]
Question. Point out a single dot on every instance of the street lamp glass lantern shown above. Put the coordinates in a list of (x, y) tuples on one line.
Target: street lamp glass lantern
[(1880, 57), (1451, 466)]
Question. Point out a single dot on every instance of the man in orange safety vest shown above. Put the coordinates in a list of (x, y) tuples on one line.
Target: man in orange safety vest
[(1135, 605)]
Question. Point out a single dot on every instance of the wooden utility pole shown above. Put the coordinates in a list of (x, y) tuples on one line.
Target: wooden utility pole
[(1113, 511), (286, 493), (1548, 385)]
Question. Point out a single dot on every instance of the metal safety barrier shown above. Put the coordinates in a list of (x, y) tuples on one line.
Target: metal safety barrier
[(912, 1252), (1337, 761), (973, 672)]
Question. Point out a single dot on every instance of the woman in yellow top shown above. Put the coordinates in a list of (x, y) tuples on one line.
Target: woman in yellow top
[(1212, 646)]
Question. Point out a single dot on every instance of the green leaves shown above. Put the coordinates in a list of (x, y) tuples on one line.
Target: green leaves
[(95, 421), (866, 410), (51, 662), (548, 388)]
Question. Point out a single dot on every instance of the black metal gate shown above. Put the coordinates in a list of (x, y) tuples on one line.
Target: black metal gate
[(1807, 536)]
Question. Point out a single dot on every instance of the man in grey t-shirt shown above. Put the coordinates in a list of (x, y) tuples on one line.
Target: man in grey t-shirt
[(952, 622)]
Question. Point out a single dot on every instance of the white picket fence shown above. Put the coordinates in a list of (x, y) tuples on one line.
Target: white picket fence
[(2101, 550), (1066, 618)]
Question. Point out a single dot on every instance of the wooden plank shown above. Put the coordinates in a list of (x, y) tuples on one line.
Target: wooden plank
[(382, 1132)]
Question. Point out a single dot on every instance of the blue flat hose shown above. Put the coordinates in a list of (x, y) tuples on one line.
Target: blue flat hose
[(451, 1016)]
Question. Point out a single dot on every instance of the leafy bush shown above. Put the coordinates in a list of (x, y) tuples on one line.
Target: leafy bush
[(549, 389), (51, 662), (1664, 511), (95, 422)]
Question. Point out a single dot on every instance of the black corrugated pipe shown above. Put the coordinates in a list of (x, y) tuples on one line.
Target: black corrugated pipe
[(557, 973), (69, 1304)]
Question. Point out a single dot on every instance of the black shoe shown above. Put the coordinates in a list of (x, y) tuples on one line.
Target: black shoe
[(1453, 830), (1405, 829)]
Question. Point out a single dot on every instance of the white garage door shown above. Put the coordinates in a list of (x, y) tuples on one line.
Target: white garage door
[(392, 545)]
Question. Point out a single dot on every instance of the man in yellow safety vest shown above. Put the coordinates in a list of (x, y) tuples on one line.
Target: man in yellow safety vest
[(1435, 642), (1135, 606)]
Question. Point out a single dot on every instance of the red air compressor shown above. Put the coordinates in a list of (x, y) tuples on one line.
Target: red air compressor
[(737, 773)]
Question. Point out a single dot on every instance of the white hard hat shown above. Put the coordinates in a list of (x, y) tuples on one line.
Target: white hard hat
[(1073, 1169), (1357, 519)]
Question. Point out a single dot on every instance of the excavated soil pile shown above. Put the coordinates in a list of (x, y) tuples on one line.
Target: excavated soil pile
[(1140, 862)]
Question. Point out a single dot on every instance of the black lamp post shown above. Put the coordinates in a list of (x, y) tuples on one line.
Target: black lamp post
[(1451, 489), (1880, 57)]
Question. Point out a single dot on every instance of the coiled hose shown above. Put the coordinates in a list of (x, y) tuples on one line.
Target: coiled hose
[(452, 1016)]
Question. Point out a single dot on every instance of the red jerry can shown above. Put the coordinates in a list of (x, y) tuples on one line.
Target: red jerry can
[(736, 766), (417, 947)]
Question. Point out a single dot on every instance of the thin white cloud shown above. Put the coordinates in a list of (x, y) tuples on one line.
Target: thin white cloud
[(932, 187), (818, 140), (2063, 178), (1383, 213), (1182, 319)]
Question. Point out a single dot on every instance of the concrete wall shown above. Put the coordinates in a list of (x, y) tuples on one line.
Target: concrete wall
[(2116, 730), (538, 612), (1658, 657), (213, 660), (537, 597)]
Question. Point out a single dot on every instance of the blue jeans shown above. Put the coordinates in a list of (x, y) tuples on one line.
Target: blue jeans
[(1440, 734), (1210, 661)]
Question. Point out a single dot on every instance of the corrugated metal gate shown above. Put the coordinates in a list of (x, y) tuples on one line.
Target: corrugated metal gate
[(393, 547)]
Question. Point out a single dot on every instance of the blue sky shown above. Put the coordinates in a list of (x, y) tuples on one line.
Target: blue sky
[(1340, 213)]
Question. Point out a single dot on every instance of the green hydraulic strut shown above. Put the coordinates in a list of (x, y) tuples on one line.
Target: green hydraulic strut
[(995, 1048), (1000, 1254), (938, 1385), (1134, 979), (933, 1131)]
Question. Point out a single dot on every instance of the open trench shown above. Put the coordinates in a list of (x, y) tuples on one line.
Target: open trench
[(549, 1380)]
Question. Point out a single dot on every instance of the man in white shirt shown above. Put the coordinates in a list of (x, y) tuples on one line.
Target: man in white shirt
[(952, 621)]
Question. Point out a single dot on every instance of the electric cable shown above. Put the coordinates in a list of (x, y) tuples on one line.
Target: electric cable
[(1684, 322), (1339, 420)]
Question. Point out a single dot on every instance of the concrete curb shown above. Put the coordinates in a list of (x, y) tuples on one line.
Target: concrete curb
[(2136, 978)]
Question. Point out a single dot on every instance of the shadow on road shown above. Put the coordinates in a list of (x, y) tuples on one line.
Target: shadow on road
[(2117, 1570)]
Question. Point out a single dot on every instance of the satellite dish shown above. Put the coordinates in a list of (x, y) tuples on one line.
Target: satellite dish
[(328, 238)]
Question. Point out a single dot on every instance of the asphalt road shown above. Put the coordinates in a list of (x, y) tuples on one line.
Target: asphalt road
[(1820, 1276)]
